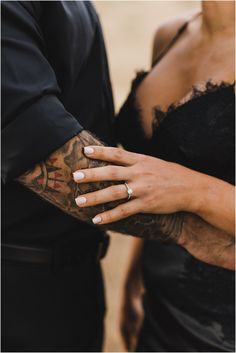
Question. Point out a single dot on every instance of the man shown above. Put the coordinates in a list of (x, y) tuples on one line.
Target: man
[(54, 81)]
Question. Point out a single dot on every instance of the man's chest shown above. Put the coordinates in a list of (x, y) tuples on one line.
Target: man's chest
[(68, 30)]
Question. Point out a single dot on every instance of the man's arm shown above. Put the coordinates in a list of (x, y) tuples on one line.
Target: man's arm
[(53, 180)]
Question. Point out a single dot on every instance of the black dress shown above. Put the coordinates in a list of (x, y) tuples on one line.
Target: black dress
[(189, 305)]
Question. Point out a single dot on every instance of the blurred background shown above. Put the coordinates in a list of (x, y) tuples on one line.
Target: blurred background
[(129, 27)]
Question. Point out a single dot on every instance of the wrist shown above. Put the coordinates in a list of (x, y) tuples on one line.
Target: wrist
[(199, 193)]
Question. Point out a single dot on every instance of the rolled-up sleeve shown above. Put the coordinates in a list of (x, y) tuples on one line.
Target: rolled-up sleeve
[(34, 121)]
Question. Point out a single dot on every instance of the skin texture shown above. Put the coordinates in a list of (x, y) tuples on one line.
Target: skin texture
[(53, 180), (159, 187), (195, 58)]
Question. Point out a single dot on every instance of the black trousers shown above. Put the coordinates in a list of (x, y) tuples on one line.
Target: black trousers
[(52, 309)]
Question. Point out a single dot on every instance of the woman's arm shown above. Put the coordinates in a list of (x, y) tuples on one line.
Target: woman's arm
[(159, 187), (215, 203), (52, 180), (214, 198), (131, 307)]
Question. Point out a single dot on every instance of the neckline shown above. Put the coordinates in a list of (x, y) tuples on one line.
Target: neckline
[(160, 115), (197, 91)]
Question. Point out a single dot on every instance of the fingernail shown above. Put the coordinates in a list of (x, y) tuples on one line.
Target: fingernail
[(88, 150), (97, 219), (80, 200), (78, 175)]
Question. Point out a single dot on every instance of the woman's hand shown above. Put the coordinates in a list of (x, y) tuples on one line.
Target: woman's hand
[(159, 187)]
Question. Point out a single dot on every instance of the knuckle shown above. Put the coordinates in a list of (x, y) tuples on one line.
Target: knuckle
[(117, 192), (133, 172), (113, 172), (124, 211), (107, 217), (94, 199), (118, 153), (137, 173), (144, 158), (89, 174), (100, 151)]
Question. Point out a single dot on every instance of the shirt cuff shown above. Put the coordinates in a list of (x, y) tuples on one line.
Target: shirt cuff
[(44, 127)]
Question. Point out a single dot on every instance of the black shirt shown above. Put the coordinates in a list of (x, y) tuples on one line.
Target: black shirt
[(55, 82)]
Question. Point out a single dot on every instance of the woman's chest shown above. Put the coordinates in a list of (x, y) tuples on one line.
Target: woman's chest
[(173, 79), (199, 134)]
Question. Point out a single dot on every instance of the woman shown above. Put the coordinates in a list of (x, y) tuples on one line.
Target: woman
[(189, 300)]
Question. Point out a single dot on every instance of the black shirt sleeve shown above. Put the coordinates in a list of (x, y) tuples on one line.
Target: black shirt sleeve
[(34, 121)]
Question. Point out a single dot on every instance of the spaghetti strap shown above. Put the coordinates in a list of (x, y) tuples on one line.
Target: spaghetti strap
[(170, 44), (173, 40)]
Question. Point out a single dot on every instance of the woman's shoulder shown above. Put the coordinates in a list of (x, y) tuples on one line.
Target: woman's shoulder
[(166, 32)]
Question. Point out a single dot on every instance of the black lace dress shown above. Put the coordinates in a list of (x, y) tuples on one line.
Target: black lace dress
[(189, 305)]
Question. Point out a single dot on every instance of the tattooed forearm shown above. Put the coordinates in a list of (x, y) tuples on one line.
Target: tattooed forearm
[(207, 243), (199, 238), (165, 228), (52, 179)]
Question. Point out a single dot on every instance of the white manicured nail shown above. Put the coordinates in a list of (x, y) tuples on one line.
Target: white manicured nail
[(80, 200), (78, 176), (97, 219), (88, 150)]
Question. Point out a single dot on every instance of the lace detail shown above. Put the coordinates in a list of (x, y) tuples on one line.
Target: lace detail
[(159, 115), (209, 87)]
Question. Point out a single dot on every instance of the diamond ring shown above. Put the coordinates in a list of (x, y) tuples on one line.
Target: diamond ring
[(129, 191)]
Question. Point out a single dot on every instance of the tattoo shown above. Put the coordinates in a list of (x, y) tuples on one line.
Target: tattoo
[(52, 180), (164, 228), (208, 243)]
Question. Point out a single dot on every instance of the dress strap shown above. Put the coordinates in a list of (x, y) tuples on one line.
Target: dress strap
[(174, 39)]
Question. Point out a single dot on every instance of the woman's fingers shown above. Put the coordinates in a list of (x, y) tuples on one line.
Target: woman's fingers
[(120, 212), (112, 193), (111, 154), (107, 173)]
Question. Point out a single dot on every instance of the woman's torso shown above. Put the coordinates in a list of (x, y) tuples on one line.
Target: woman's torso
[(189, 304)]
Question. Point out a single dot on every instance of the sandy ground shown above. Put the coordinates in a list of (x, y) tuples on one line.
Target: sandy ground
[(128, 27)]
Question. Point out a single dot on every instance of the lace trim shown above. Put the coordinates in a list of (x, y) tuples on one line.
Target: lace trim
[(209, 87), (159, 114)]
